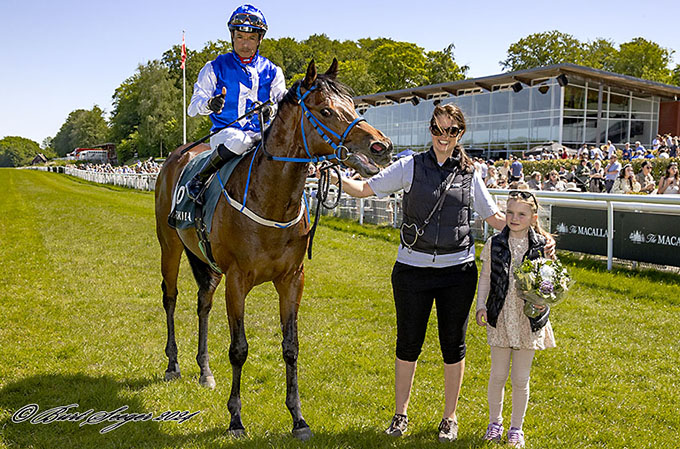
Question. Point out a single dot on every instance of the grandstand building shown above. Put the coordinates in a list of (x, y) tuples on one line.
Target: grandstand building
[(517, 111)]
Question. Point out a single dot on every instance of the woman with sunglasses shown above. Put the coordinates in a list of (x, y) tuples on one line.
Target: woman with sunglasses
[(228, 87), (436, 257), (626, 182), (670, 183)]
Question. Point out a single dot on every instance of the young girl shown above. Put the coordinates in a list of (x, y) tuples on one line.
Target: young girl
[(510, 333)]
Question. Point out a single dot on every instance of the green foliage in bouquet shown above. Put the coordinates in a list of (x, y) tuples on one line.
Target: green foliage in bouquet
[(541, 282)]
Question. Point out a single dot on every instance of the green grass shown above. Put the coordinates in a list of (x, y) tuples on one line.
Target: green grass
[(81, 321)]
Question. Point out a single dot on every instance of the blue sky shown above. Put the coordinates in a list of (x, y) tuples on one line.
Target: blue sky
[(72, 54)]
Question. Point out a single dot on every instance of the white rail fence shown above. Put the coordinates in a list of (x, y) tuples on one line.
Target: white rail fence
[(387, 211)]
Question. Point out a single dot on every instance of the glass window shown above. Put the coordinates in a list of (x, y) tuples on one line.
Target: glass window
[(591, 131), (542, 101), (520, 101), (572, 131), (480, 134), (464, 102), (618, 106), (641, 131), (641, 105), (592, 99), (540, 130), (519, 131), (617, 131), (574, 97), (500, 102), (499, 132), (481, 104)]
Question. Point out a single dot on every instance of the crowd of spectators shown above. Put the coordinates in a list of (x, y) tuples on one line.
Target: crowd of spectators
[(592, 169), (146, 167)]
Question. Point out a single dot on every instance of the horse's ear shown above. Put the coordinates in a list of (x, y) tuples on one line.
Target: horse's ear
[(333, 69), (310, 77)]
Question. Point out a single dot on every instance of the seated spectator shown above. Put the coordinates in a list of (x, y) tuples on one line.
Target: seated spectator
[(645, 178), (596, 184), (491, 178), (626, 181), (534, 181), (553, 183), (649, 154), (502, 182), (627, 152), (670, 183), (663, 153), (582, 174), (639, 147)]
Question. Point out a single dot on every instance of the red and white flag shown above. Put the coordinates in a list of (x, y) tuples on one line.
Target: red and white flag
[(184, 52)]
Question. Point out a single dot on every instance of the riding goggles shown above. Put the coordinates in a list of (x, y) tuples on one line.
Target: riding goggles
[(248, 19)]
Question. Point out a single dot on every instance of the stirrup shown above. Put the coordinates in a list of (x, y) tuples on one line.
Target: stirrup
[(198, 197)]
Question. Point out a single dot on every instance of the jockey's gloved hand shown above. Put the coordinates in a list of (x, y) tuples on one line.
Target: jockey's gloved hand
[(267, 112), (216, 103)]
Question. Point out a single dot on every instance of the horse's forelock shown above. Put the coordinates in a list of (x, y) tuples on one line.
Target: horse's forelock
[(325, 83)]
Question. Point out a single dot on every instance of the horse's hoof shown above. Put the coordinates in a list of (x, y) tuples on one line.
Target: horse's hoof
[(207, 382), (302, 433), (237, 433), (172, 375)]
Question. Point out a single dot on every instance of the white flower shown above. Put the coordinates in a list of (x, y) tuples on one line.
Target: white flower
[(547, 272)]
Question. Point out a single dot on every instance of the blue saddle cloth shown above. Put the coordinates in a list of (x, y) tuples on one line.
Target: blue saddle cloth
[(183, 214)]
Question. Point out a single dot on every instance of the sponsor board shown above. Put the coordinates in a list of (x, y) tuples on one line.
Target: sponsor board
[(638, 236)]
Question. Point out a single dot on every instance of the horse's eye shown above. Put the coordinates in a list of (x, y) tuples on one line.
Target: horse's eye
[(326, 112)]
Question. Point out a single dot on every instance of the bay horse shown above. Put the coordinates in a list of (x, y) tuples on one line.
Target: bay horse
[(249, 253)]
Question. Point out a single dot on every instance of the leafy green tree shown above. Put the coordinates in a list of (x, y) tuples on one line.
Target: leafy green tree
[(398, 65), (356, 75), (600, 54), (82, 128), (160, 105), (442, 66), (542, 49), (17, 151), (644, 59), (675, 78), (288, 54)]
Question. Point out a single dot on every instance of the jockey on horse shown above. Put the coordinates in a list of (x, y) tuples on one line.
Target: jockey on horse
[(231, 85)]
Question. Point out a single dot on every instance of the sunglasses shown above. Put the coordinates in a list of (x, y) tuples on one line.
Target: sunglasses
[(524, 195), (437, 131), (242, 19)]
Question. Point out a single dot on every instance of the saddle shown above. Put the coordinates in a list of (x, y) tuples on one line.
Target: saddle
[(184, 213)]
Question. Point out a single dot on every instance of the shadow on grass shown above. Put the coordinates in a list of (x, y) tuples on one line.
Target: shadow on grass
[(106, 394)]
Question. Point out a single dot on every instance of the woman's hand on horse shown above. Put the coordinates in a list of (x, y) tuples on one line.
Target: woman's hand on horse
[(216, 103)]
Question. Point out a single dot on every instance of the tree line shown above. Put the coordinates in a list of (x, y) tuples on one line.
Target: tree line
[(146, 119)]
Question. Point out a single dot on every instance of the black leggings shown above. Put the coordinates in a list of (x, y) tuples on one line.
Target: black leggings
[(415, 289)]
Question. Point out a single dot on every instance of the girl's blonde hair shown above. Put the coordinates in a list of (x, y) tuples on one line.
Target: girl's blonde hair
[(528, 198)]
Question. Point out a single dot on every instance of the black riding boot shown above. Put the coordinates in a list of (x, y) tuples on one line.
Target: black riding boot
[(196, 187)]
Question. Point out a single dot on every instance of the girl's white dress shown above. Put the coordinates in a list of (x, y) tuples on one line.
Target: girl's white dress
[(513, 329)]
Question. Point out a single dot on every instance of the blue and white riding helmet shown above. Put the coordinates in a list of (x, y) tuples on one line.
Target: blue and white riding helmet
[(248, 19)]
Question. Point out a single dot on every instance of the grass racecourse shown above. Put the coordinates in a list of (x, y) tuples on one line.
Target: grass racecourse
[(82, 322)]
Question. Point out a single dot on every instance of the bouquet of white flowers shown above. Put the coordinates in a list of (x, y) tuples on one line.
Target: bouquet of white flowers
[(541, 282)]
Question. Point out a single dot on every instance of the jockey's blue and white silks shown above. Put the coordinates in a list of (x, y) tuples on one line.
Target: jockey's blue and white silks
[(260, 80)]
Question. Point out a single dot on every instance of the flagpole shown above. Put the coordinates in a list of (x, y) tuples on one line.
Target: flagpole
[(184, 90)]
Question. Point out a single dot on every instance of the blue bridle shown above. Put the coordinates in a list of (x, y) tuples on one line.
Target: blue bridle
[(323, 131)]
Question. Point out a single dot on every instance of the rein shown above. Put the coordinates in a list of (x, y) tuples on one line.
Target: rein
[(329, 162)]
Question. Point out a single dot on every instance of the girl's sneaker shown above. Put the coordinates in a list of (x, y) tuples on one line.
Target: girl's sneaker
[(515, 437), (494, 432), (398, 425)]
